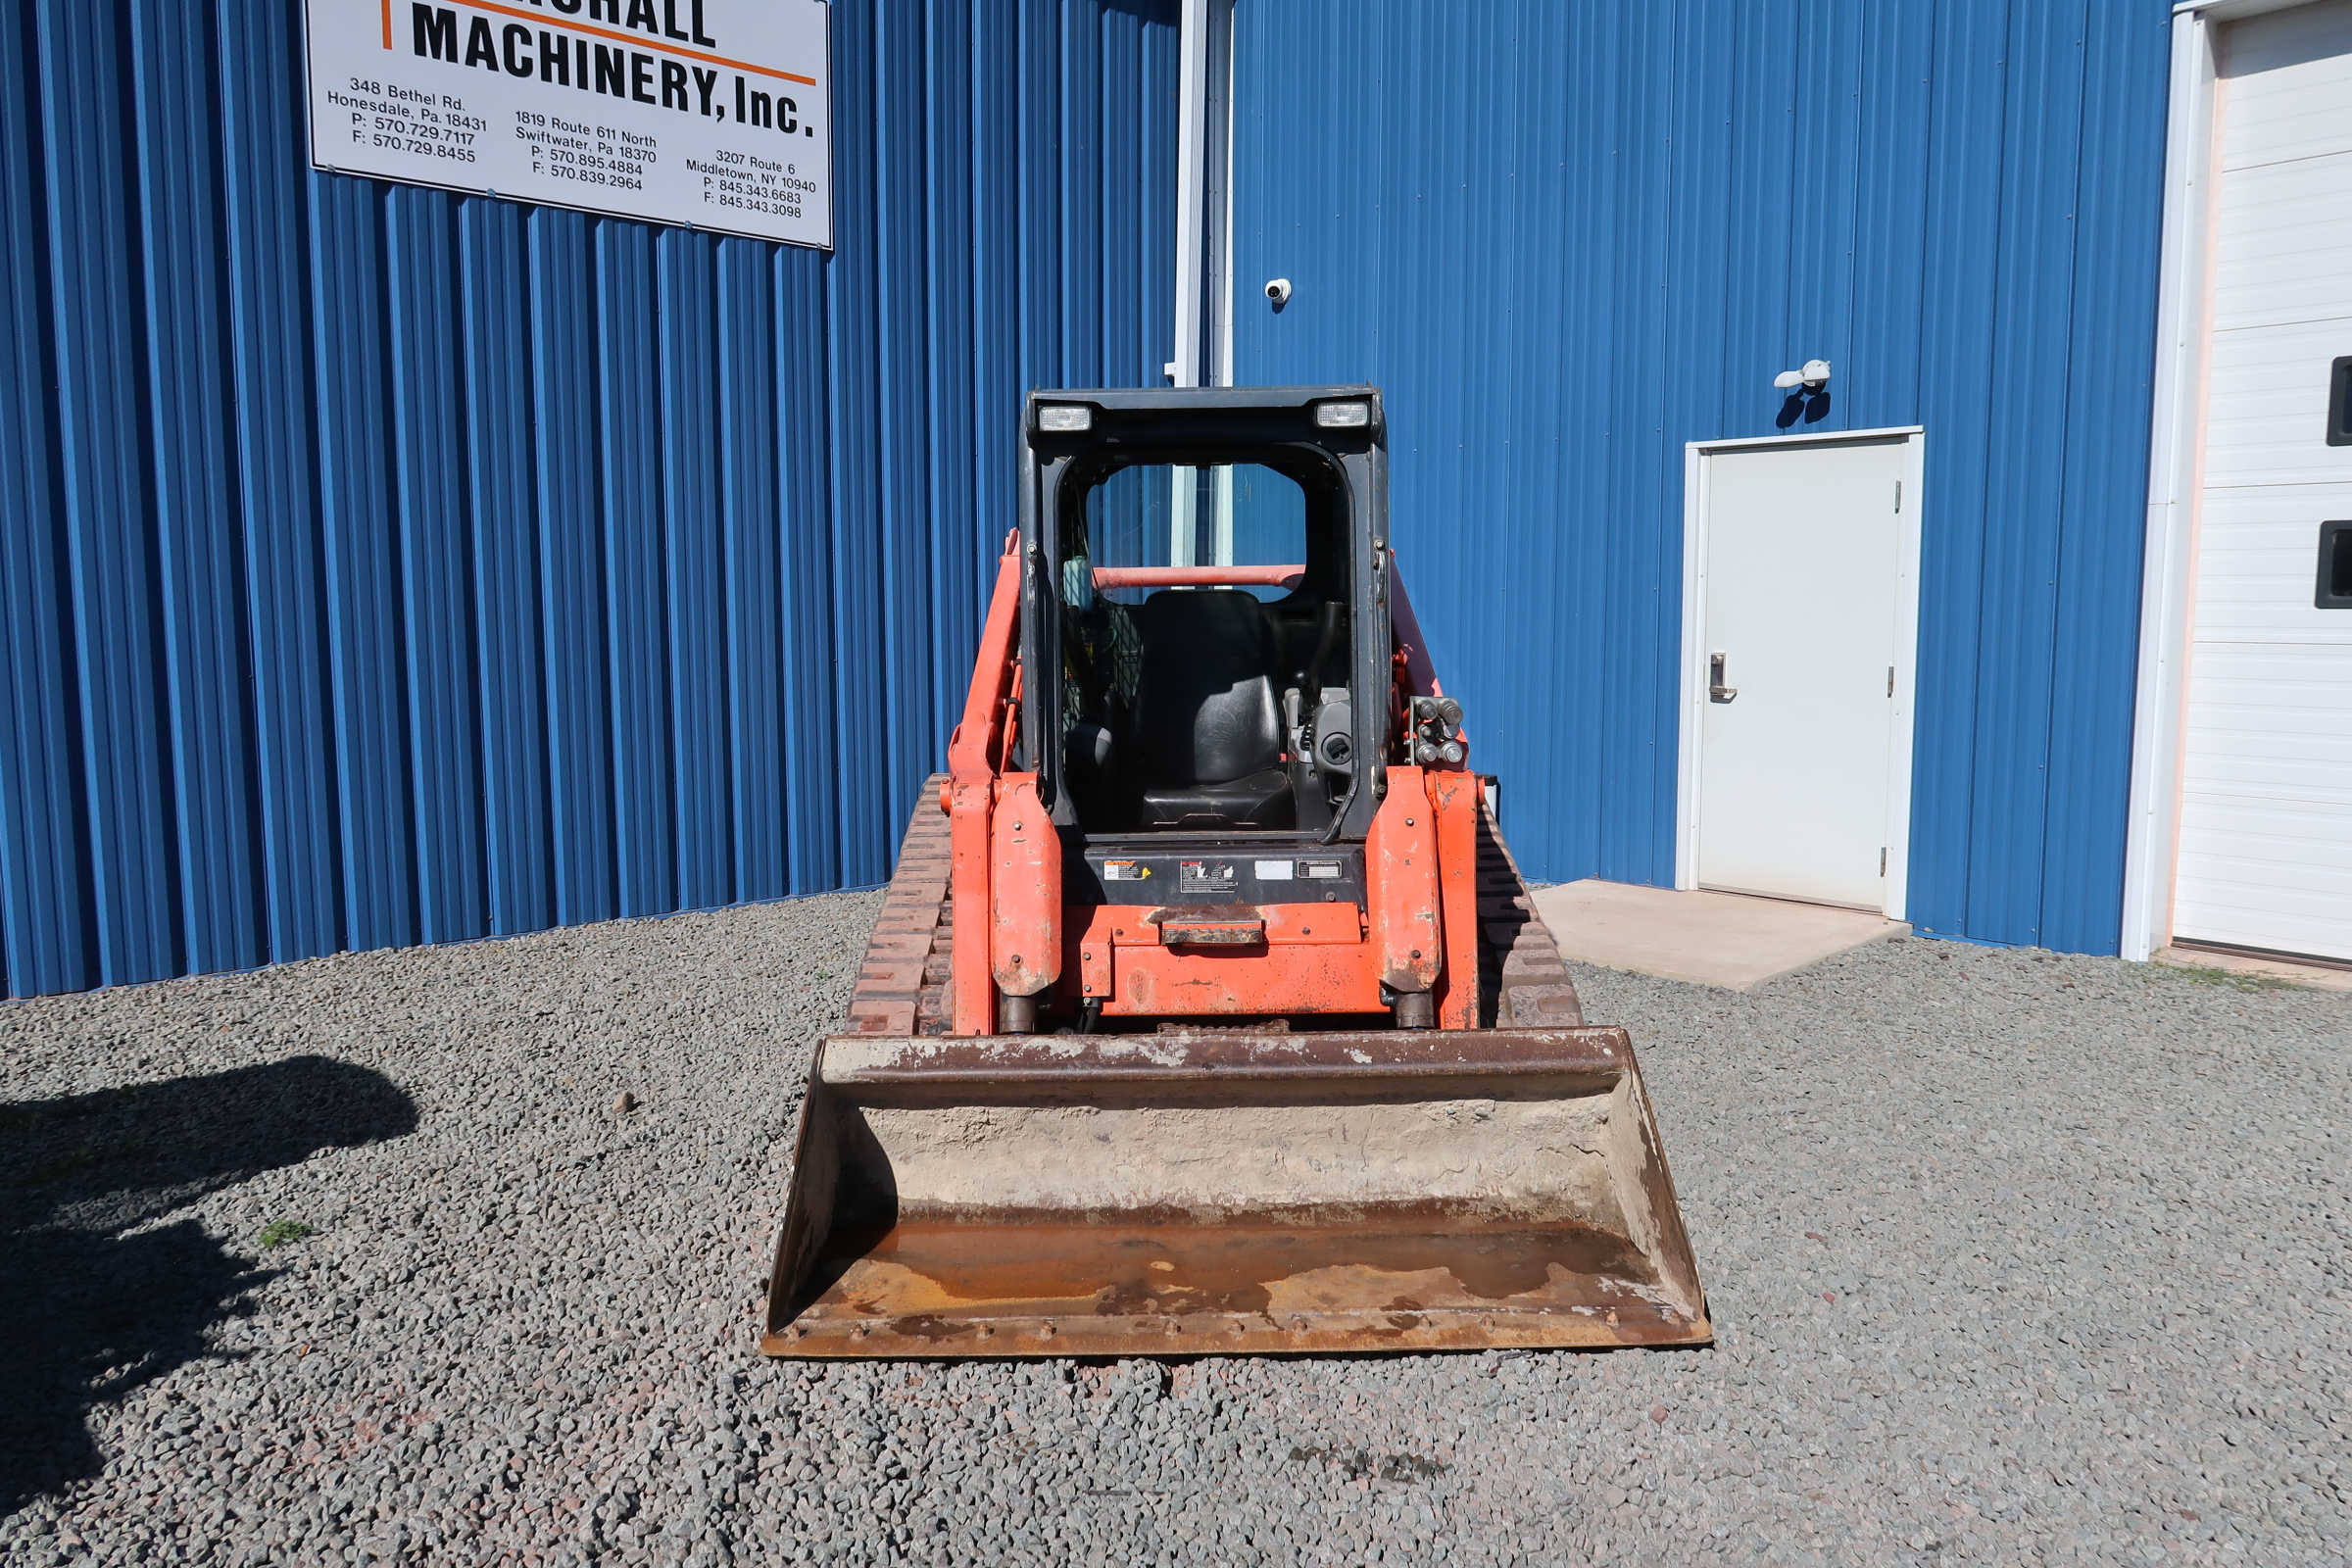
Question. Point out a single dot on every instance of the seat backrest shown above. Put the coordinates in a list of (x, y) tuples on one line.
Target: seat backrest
[(1204, 699)]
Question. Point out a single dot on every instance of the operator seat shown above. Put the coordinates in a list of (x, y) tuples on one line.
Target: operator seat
[(1209, 750)]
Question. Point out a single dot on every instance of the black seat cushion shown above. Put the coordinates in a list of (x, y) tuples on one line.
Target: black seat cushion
[(1209, 750), (1263, 800)]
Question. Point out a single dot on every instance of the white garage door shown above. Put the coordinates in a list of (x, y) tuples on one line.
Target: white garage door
[(2265, 824)]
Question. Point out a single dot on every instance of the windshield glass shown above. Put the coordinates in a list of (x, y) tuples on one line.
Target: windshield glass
[(1234, 525)]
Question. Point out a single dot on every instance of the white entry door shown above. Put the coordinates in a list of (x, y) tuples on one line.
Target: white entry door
[(1798, 671), (2265, 787)]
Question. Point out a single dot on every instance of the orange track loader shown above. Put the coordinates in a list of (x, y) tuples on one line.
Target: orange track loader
[(1206, 1011)]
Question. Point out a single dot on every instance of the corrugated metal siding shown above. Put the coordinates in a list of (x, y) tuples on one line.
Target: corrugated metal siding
[(1568, 238), (382, 567)]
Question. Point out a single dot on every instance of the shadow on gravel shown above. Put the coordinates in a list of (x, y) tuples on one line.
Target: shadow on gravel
[(96, 1311)]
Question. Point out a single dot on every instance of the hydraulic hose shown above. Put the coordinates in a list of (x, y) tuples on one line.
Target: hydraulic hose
[(1339, 815)]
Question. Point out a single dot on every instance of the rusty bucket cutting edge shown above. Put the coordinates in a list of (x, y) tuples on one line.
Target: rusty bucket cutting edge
[(1229, 1194)]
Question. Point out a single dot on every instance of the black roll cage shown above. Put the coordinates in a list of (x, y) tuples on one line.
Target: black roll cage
[(1198, 426)]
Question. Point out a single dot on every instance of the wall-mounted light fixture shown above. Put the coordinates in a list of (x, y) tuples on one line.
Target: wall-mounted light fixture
[(1813, 378)]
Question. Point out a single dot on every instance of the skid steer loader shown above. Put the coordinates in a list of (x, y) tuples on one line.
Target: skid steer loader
[(1206, 1011)]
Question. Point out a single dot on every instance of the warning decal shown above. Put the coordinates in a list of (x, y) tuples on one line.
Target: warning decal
[(1205, 876)]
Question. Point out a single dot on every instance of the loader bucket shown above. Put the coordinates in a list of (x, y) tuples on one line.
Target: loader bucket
[(1229, 1192)]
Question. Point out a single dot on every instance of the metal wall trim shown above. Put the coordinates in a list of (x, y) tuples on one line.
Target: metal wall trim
[(2174, 495)]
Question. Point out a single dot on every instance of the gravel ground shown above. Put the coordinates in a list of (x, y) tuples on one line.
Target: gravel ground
[(2013, 1258)]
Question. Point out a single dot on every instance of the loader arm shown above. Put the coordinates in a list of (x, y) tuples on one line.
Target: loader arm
[(1421, 675), (1008, 927), (1455, 799)]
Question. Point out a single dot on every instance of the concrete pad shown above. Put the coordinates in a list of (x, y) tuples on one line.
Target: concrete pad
[(1710, 939), (2315, 976)]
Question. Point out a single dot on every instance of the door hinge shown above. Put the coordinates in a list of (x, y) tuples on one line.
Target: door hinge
[(1890, 680), (1898, 495), (1882, 860)]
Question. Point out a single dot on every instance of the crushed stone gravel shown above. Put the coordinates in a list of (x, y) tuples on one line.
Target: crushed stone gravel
[(454, 1256)]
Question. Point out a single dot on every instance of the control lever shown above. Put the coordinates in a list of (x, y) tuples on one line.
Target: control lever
[(1335, 745)]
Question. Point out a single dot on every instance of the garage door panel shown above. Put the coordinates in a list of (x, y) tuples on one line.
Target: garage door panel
[(2235, 609), (2280, 749), (2278, 755), (2244, 915), (2308, 844), (2283, 243), (2304, 677), (2257, 565), (2310, 884), (2248, 719), (2282, 752), (2284, 82), (2273, 774), (2233, 927), (2266, 409), (2267, 516), (2255, 928), (2242, 709), (2206, 807), (2265, 913), (2301, 881)]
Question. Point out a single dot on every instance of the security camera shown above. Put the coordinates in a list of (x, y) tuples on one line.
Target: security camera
[(1279, 291)]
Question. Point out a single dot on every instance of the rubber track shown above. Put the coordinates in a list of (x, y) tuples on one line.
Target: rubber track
[(903, 986), (1521, 980)]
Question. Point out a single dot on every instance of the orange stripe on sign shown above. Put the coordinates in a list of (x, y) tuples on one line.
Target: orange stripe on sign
[(387, 23), (544, 19)]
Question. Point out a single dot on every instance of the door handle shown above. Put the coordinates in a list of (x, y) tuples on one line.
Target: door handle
[(1717, 691)]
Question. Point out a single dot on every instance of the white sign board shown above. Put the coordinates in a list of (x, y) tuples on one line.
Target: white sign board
[(713, 113)]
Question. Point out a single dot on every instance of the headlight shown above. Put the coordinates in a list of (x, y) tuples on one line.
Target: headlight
[(1065, 417), (1343, 416)]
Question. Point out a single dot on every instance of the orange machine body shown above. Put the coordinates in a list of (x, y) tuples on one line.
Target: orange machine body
[(1417, 929)]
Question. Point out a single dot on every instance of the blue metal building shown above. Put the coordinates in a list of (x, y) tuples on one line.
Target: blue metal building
[(1568, 239), (318, 637)]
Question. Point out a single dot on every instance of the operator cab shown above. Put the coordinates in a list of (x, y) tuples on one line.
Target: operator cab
[(1208, 572)]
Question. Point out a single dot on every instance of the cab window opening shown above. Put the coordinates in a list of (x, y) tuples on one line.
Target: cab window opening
[(1204, 646)]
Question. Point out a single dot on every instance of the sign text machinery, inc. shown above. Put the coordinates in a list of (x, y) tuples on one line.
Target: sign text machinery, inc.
[(713, 113)]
